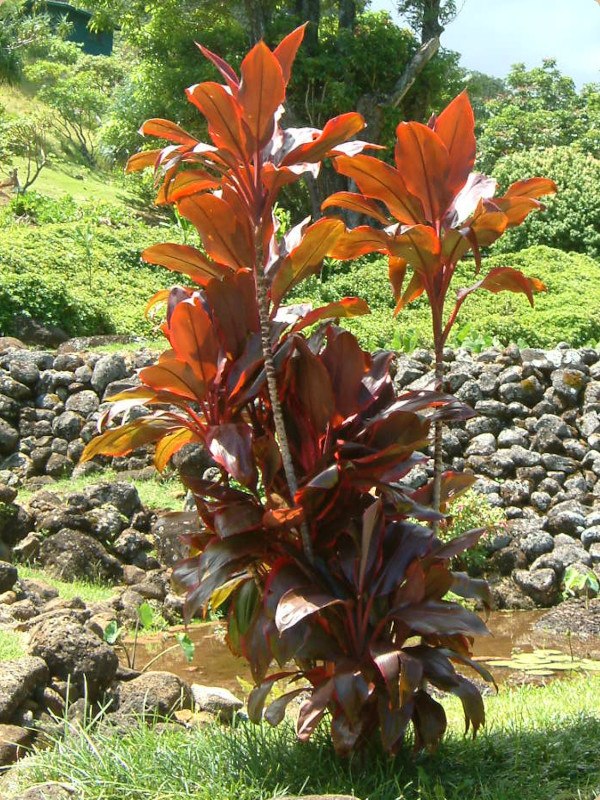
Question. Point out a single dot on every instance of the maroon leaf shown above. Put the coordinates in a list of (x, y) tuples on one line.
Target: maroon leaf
[(297, 604)]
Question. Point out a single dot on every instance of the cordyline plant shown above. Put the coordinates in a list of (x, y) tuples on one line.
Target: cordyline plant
[(310, 533), (438, 211)]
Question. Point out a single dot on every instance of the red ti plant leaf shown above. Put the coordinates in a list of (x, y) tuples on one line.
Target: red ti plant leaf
[(185, 259), (336, 130), (312, 710), (262, 91), (167, 130), (194, 341), (141, 160), (423, 160), (505, 279), (226, 238), (346, 307), (297, 604), (224, 68), (455, 126), (286, 50), (122, 440), (223, 114), (171, 444), (231, 446), (306, 258)]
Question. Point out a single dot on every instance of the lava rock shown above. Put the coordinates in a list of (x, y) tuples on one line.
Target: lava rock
[(541, 585), (71, 555), (153, 694)]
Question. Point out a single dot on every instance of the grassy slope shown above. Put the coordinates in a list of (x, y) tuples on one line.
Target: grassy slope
[(540, 744), (566, 312)]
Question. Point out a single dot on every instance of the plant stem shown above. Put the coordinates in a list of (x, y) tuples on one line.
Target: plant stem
[(284, 446), (438, 462)]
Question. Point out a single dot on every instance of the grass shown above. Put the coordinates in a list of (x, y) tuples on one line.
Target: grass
[(540, 743), (156, 492), (12, 645), (86, 591)]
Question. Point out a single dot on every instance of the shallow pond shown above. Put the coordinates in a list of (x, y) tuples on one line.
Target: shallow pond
[(513, 638)]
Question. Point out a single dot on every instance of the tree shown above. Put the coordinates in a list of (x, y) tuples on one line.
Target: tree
[(25, 137), (78, 87), (428, 18), (540, 108), (20, 30)]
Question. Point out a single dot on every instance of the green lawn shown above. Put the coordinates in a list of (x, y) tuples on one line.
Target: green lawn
[(541, 743), (12, 645), (156, 492)]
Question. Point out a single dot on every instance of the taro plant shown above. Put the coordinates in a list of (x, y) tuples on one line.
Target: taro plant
[(309, 533), (434, 210)]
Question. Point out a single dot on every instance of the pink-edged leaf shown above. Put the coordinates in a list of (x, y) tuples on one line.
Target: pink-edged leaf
[(262, 91), (370, 539), (440, 618), (297, 604), (275, 713), (167, 130), (312, 710), (174, 376), (505, 279), (305, 259), (347, 365), (336, 130), (231, 446)]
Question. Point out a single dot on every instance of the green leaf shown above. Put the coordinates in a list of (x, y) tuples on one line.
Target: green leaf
[(146, 615), (112, 632), (187, 646)]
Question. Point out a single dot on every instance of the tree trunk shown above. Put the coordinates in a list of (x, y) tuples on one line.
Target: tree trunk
[(412, 71), (310, 11), (431, 27), (257, 19), (347, 14)]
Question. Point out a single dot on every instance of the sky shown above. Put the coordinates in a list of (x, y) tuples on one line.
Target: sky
[(491, 35)]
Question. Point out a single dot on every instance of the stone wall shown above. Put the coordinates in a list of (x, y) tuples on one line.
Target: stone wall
[(534, 442), (534, 445)]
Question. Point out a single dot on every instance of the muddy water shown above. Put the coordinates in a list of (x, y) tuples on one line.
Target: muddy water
[(512, 632)]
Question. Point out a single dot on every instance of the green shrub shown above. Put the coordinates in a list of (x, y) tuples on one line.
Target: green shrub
[(559, 315), (45, 271), (572, 219), (469, 511)]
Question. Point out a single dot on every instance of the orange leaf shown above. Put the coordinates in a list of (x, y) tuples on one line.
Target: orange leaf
[(415, 289), (420, 246), (147, 158), (193, 338), (185, 184), (531, 187), (397, 272), (357, 203), (122, 440), (224, 68), (223, 236), (160, 297), (176, 377), (305, 259), (223, 114), (346, 307), (336, 130), (359, 242), (456, 128), (424, 163), (167, 130), (286, 50), (505, 279), (262, 91), (378, 180), (171, 444), (186, 260), (283, 518)]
